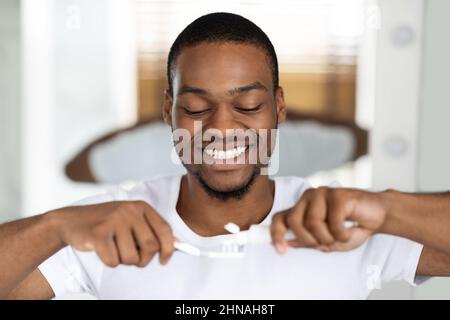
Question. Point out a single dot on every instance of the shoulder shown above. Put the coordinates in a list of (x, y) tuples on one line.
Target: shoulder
[(156, 186), (291, 184), (289, 189)]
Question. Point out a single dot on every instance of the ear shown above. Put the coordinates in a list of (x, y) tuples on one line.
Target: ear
[(167, 108), (280, 104)]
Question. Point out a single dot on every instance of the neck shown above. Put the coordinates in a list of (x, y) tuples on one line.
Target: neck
[(207, 216)]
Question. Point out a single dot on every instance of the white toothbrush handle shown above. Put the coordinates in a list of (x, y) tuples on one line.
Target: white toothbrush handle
[(187, 248)]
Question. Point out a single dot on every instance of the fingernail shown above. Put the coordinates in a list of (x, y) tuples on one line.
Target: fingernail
[(281, 248), (89, 246), (278, 247)]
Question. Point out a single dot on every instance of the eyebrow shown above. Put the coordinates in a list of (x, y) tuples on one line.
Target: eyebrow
[(194, 90), (239, 90), (252, 86)]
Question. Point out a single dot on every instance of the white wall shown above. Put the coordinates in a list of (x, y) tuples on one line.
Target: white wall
[(434, 125), (10, 127), (409, 143), (393, 141), (79, 83), (434, 121)]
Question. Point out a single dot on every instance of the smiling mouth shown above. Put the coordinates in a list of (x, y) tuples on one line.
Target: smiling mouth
[(226, 154)]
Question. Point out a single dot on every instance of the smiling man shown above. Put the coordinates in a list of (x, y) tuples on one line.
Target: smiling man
[(222, 70), (223, 77)]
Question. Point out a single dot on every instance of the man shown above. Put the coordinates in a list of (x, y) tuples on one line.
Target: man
[(223, 74)]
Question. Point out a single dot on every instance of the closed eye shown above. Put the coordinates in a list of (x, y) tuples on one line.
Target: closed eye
[(194, 113), (250, 109)]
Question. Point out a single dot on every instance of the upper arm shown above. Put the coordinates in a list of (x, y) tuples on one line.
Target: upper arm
[(78, 168), (33, 287), (433, 263)]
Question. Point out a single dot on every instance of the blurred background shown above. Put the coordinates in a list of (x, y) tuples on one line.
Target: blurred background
[(81, 89)]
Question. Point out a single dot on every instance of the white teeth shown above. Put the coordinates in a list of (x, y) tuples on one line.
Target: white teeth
[(224, 155)]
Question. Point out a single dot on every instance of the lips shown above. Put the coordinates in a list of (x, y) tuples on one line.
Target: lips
[(224, 160)]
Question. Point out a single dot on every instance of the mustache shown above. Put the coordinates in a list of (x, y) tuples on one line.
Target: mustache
[(219, 141)]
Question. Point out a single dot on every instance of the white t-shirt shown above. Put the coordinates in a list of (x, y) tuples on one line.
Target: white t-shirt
[(261, 274)]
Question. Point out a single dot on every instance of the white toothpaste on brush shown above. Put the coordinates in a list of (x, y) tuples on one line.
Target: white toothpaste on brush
[(256, 234)]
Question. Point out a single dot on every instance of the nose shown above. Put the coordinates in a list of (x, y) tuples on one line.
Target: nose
[(224, 128), (223, 119)]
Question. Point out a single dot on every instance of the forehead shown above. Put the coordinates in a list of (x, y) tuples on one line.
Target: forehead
[(217, 67)]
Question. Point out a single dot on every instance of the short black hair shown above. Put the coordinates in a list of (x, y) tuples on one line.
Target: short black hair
[(222, 27)]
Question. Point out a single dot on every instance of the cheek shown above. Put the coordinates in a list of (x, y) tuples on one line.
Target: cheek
[(180, 121), (266, 125), (266, 120), (261, 124)]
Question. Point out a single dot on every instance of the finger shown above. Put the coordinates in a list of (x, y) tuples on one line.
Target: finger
[(357, 237), (315, 221), (294, 221), (163, 233), (324, 248), (336, 220), (127, 246), (106, 250), (278, 231), (147, 242)]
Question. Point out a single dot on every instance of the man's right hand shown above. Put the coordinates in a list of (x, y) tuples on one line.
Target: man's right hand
[(122, 232)]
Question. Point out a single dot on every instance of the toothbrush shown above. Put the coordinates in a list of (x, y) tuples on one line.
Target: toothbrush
[(260, 234), (225, 251), (235, 248)]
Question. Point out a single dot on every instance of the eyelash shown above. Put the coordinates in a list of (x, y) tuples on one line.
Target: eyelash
[(246, 110), (195, 113), (249, 110)]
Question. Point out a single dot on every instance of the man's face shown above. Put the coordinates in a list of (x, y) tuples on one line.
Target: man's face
[(224, 86)]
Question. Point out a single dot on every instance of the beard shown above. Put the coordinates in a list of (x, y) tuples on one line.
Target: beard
[(235, 192)]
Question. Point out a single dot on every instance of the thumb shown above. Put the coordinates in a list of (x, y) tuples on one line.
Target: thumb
[(357, 236)]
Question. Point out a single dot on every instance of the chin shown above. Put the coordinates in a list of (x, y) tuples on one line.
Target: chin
[(226, 181)]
